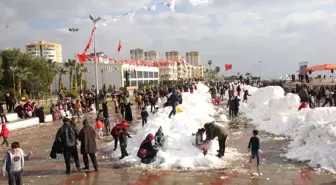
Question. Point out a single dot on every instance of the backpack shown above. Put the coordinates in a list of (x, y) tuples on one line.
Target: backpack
[(142, 153)]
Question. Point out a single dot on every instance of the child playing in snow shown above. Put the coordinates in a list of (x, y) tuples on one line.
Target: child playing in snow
[(254, 146), (144, 116), (99, 127), (14, 164), (123, 142), (159, 137), (200, 143), (4, 133)]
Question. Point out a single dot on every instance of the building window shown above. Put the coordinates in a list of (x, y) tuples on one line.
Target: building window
[(133, 74), (150, 74), (51, 55), (140, 83), (156, 74), (139, 74), (133, 83), (145, 74)]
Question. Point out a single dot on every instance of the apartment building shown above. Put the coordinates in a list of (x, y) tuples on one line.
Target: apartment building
[(48, 50)]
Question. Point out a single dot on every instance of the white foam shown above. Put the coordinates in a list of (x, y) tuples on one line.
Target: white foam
[(178, 151)]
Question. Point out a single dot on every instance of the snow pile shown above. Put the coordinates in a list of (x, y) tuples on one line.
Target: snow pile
[(313, 131), (178, 150)]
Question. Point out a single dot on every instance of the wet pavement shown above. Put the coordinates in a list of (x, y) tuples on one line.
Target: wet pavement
[(274, 170)]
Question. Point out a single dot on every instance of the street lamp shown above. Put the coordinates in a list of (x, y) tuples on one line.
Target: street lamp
[(260, 63), (95, 21), (74, 30)]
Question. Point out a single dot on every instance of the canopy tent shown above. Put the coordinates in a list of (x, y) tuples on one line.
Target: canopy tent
[(324, 67)]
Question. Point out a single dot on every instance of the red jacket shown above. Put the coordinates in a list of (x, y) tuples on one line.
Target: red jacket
[(4, 131), (303, 105), (122, 125)]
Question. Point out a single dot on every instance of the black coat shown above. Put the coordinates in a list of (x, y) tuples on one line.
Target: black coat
[(105, 110), (128, 112), (57, 148), (213, 130), (67, 135), (87, 136)]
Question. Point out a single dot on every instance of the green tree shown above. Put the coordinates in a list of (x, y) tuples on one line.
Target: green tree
[(1, 69), (62, 71), (81, 69), (22, 75), (70, 65)]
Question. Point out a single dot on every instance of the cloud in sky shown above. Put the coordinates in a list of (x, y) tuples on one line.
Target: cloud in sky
[(241, 32)]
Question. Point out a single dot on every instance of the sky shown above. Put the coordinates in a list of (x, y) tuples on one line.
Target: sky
[(279, 33)]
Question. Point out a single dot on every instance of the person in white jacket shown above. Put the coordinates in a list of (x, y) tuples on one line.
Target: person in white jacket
[(14, 164)]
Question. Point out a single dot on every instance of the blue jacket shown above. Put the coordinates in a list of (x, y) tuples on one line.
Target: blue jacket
[(173, 97)]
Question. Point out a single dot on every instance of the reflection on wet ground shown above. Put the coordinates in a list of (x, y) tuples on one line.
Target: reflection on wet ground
[(274, 170)]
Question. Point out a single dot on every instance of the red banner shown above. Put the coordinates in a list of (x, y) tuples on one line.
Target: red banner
[(228, 67)]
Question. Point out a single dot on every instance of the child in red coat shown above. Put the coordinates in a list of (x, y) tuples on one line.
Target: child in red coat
[(304, 105), (4, 133)]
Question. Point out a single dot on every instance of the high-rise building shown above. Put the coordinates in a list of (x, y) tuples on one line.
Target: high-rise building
[(47, 50), (173, 55), (193, 57), (152, 55), (137, 54)]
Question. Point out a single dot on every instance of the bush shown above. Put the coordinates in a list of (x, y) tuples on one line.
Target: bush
[(110, 88), (72, 93), (104, 86)]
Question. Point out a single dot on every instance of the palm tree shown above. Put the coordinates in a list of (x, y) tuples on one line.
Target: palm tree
[(61, 71), (22, 73), (248, 74), (13, 70), (209, 63), (70, 64), (82, 69)]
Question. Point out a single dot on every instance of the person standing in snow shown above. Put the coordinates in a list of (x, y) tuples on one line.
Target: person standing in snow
[(173, 100), (115, 132), (159, 137), (238, 90), (328, 97), (246, 93), (213, 130), (122, 136), (254, 146), (144, 116)]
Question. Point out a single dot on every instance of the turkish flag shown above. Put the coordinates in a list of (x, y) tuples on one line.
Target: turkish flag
[(119, 46), (228, 67)]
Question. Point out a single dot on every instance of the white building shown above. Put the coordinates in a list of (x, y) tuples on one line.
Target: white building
[(47, 50), (137, 54), (193, 57), (113, 74), (169, 72), (152, 55)]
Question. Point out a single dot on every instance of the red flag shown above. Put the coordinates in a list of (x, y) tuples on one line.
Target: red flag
[(228, 67), (82, 57), (119, 46)]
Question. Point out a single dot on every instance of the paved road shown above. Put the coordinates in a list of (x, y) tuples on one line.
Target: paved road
[(41, 170)]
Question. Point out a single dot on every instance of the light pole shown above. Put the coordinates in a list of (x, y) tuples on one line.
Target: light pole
[(74, 30), (260, 63), (95, 21)]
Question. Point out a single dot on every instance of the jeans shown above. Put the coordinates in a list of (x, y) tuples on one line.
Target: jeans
[(93, 159), (221, 143), (253, 155), (173, 111), (68, 152), (123, 147), (326, 101), (5, 141), (115, 142), (144, 121), (15, 178), (3, 117)]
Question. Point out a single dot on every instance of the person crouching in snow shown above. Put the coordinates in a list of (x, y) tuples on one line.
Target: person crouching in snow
[(99, 128), (200, 143), (4, 133), (159, 137), (147, 152), (123, 142), (254, 146), (304, 105), (144, 116)]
